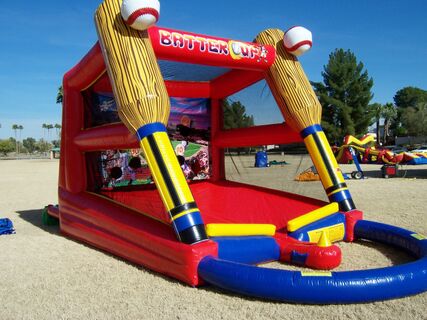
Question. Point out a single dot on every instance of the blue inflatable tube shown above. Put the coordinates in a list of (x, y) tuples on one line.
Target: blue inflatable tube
[(329, 287)]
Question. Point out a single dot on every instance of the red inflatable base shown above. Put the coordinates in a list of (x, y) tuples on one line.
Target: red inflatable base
[(132, 224), (131, 235)]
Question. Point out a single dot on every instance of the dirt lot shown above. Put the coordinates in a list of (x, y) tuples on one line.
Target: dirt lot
[(47, 276)]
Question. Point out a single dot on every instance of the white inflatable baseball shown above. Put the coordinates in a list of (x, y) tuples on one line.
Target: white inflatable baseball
[(297, 40), (140, 14), (235, 49)]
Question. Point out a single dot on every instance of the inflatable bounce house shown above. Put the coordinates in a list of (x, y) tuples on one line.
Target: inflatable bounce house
[(365, 149), (142, 166)]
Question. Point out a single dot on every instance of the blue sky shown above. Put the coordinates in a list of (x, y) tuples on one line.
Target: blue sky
[(41, 40)]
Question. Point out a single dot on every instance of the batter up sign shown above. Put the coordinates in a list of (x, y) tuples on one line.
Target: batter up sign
[(196, 48)]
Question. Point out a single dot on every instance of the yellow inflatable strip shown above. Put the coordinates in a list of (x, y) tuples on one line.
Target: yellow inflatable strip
[(316, 274), (365, 140), (312, 216), (230, 229), (418, 236)]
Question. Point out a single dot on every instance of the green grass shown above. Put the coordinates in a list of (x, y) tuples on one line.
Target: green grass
[(191, 149)]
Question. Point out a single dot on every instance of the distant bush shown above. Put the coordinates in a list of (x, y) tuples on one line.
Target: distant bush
[(7, 146)]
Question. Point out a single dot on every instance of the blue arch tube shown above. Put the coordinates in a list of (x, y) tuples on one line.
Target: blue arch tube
[(329, 287)]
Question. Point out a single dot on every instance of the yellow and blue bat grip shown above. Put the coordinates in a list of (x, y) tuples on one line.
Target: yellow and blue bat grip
[(170, 181), (327, 167)]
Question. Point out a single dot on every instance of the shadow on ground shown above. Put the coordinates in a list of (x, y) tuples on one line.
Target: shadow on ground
[(408, 172), (412, 172), (34, 217)]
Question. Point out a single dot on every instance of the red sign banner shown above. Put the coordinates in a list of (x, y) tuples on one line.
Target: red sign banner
[(195, 48)]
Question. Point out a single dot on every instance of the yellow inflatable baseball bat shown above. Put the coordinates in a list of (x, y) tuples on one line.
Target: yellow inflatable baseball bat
[(143, 105), (312, 216), (302, 111)]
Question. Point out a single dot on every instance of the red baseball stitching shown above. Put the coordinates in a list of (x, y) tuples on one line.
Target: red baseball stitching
[(141, 12), (299, 44)]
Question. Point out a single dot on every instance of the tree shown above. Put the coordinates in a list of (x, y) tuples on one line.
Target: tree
[(60, 95), (409, 102), (29, 144), (43, 146), (377, 109), (20, 128), (49, 127), (44, 126), (235, 115), (389, 113), (6, 146), (58, 130), (414, 120), (56, 143), (410, 97), (15, 127), (344, 94)]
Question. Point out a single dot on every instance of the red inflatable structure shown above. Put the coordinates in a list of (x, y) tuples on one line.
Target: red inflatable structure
[(131, 222)]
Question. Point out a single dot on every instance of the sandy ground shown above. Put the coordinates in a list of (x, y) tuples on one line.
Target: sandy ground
[(44, 275)]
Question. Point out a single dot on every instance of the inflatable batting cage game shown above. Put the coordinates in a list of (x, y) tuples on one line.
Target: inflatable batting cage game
[(142, 167)]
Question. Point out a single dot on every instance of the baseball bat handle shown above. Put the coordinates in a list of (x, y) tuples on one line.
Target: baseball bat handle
[(170, 181), (330, 173)]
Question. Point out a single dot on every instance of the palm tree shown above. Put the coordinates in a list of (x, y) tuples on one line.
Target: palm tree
[(389, 113), (377, 109), (48, 127), (15, 127), (44, 126), (20, 128), (58, 129)]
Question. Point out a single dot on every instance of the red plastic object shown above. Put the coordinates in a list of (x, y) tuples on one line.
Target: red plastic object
[(311, 255), (388, 171), (351, 217)]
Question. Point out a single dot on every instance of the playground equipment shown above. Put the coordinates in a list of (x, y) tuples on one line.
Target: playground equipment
[(211, 230), (365, 149)]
